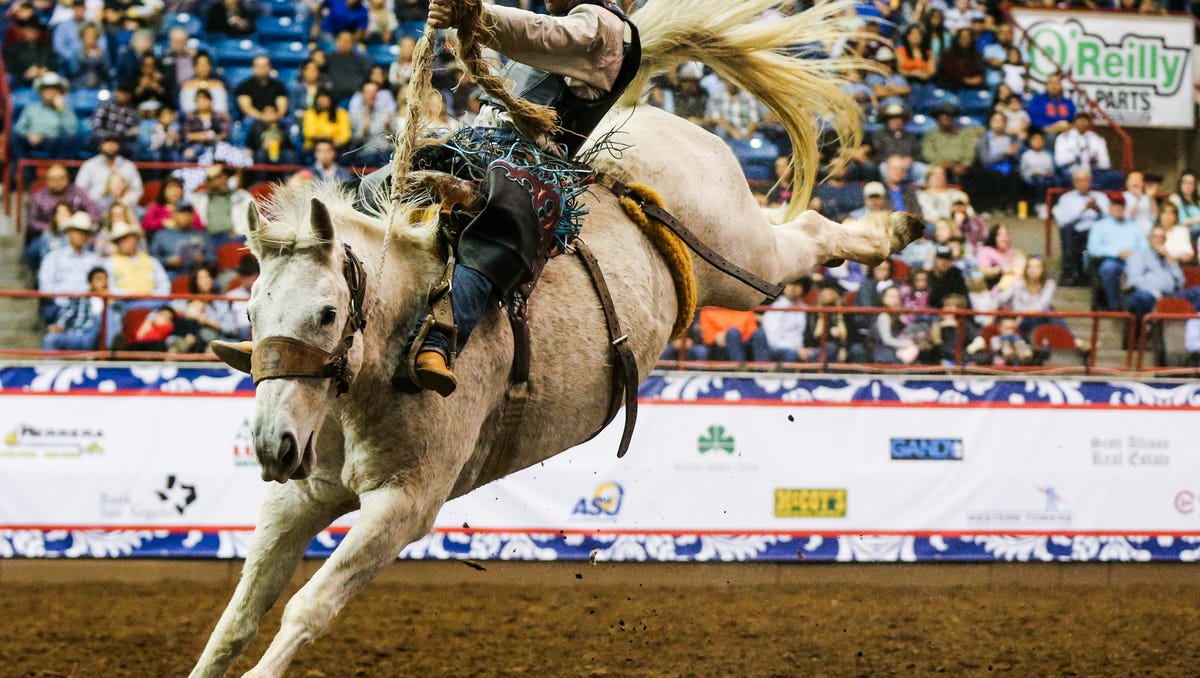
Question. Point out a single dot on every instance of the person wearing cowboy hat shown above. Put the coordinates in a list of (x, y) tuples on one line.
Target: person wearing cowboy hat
[(47, 128), (894, 139), (132, 271), (691, 100), (223, 208), (948, 144), (65, 269), (889, 88)]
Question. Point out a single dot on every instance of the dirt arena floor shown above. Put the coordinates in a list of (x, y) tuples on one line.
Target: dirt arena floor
[(152, 618)]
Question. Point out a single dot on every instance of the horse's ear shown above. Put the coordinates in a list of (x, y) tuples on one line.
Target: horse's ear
[(322, 223), (254, 216)]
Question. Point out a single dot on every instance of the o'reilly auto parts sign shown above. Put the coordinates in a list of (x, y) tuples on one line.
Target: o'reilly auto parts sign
[(1137, 68)]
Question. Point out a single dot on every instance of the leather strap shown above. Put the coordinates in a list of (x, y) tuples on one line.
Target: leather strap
[(625, 371), (621, 190), (284, 357)]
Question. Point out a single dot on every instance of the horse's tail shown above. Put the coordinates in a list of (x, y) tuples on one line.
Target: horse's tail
[(759, 54)]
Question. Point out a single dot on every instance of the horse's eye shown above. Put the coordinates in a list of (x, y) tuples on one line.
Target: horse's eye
[(328, 316)]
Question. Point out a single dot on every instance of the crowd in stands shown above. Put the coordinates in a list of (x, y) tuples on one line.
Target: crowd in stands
[(955, 132)]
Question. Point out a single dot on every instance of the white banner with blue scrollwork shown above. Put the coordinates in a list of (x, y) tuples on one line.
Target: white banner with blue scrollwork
[(155, 460)]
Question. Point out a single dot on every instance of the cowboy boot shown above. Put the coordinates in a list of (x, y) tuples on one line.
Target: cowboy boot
[(236, 354), (434, 372)]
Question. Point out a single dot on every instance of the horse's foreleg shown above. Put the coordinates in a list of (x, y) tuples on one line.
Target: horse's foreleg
[(288, 521), (390, 518)]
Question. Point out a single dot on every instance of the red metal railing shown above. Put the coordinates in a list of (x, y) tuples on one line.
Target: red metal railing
[(1052, 195), (1126, 140)]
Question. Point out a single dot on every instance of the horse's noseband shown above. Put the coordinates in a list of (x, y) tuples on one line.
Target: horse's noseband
[(281, 357)]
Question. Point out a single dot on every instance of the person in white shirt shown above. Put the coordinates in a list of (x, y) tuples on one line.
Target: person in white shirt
[(1075, 213), (780, 335), (1080, 147), (94, 173), (1140, 204)]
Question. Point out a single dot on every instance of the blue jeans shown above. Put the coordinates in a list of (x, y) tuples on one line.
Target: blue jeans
[(468, 300), (1141, 302), (72, 340), (1111, 270), (761, 350)]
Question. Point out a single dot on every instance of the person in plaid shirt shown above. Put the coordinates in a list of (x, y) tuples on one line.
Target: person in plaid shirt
[(734, 113), (77, 326), (119, 119)]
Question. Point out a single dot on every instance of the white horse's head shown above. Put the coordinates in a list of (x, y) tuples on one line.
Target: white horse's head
[(306, 316)]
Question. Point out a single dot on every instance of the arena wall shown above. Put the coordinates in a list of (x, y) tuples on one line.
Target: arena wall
[(154, 460)]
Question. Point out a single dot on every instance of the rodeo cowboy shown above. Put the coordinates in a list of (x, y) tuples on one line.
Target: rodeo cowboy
[(577, 61)]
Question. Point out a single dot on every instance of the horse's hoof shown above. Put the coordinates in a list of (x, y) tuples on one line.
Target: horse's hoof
[(904, 228)]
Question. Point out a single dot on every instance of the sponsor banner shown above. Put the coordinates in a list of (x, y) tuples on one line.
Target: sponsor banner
[(158, 461), (1138, 68)]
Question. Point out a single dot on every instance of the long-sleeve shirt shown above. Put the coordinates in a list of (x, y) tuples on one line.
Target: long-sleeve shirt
[(317, 125), (1045, 110), (1071, 210), (65, 270), (784, 329), (1140, 209), (1149, 271), (941, 147), (1109, 237), (1036, 164), (47, 121), (43, 201), (714, 321), (93, 176), (1018, 297), (1073, 150)]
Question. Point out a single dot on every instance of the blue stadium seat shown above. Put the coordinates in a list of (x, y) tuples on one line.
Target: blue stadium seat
[(281, 8), (279, 29), (938, 97), (287, 75), (289, 55), (22, 98), (84, 101), (757, 157), (871, 127), (919, 124), (976, 102), (238, 132), (383, 55), (236, 75), (236, 52), (193, 24), (972, 121)]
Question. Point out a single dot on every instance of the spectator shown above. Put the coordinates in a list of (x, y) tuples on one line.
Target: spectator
[(155, 331), (1015, 71), (198, 321), (868, 295), (1140, 204), (345, 16), (734, 113), (837, 339), (204, 127), (31, 57), (1037, 169), (691, 100), (725, 332), (1051, 111), (302, 94), (972, 227), (222, 207), (129, 58), (268, 141), (76, 325), (67, 38), (150, 84), (936, 199), (1030, 292), (400, 71), (945, 279), (93, 175), (891, 339), (995, 175), (91, 65), (944, 334), (1016, 118), (1111, 242), (1186, 199), (181, 248), (1009, 347), (260, 90), (889, 88), (837, 197), (325, 121), (58, 190), (102, 241), (780, 334), (160, 136), (937, 34), (159, 213), (949, 145), (856, 88), (117, 118), (961, 66), (875, 199), (411, 14), (47, 128), (118, 191), (914, 59), (1152, 274), (65, 269), (899, 193), (178, 60), (381, 23), (1076, 212), (894, 140), (998, 258), (235, 322), (371, 111), (1080, 147), (231, 18), (914, 295), (133, 272), (346, 68), (1179, 239), (51, 239), (959, 15), (325, 166), (203, 80)]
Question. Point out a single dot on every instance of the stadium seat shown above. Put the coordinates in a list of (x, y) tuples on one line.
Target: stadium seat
[(1191, 276), (179, 284), (900, 270), (286, 55), (1058, 340), (131, 321), (229, 254), (281, 8), (84, 101), (22, 98), (194, 25), (383, 55), (150, 192), (919, 124), (757, 157), (262, 190), (287, 75), (976, 103), (1167, 336), (1174, 306), (280, 29), (236, 75), (238, 131), (236, 52)]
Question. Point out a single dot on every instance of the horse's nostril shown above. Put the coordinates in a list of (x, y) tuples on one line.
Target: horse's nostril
[(289, 452)]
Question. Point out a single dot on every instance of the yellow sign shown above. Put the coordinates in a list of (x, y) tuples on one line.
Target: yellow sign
[(828, 503)]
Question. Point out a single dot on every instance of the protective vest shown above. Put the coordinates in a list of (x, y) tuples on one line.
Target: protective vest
[(577, 117)]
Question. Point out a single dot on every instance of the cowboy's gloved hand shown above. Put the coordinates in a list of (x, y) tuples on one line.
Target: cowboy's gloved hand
[(441, 14)]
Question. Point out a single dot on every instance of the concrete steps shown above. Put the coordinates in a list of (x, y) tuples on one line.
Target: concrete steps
[(20, 324)]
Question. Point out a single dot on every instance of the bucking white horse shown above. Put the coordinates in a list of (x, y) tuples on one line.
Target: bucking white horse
[(399, 457)]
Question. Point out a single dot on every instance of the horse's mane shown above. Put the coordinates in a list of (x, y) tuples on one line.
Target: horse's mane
[(287, 218)]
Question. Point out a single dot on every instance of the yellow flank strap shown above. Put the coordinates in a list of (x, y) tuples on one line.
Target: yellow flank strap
[(673, 252)]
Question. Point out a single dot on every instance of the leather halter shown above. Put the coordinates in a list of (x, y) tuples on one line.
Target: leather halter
[(282, 357)]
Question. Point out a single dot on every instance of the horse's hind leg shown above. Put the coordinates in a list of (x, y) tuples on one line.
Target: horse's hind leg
[(812, 240), (289, 519), (391, 517)]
